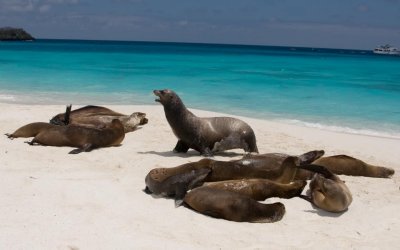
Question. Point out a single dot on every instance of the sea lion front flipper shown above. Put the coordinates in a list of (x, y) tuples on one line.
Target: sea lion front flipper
[(147, 190), (181, 147), (307, 198), (201, 175), (86, 148), (67, 114)]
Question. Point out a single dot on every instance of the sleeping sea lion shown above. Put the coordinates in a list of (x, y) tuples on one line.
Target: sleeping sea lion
[(232, 206), (30, 130), (273, 166), (260, 189), (343, 164), (98, 117), (327, 191), (84, 138), (205, 135)]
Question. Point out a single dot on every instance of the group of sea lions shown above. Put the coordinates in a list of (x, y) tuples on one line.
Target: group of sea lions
[(224, 189), (86, 128), (232, 189)]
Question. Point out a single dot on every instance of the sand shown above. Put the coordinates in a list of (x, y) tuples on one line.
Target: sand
[(50, 199)]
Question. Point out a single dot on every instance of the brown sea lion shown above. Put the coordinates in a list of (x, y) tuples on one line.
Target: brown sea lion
[(84, 138), (96, 116), (30, 130), (232, 206), (278, 167), (260, 189), (327, 191), (346, 165), (205, 135)]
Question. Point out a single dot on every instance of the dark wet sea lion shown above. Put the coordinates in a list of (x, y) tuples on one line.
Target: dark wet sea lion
[(327, 190), (260, 189), (346, 165), (232, 206), (206, 135), (84, 138), (30, 130), (98, 117)]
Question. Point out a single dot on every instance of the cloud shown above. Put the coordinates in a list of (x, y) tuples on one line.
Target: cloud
[(31, 5)]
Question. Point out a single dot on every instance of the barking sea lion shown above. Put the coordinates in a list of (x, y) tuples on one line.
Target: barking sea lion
[(205, 135)]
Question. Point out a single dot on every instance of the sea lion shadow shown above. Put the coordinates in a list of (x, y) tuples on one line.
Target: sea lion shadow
[(323, 213), (190, 153), (172, 154)]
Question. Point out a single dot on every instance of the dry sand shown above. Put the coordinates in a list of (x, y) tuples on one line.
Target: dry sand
[(52, 200)]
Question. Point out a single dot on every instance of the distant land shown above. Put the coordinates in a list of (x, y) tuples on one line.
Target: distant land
[(14, 34)]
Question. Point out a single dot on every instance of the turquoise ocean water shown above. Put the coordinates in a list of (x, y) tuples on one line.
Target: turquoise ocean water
[(345, 90)]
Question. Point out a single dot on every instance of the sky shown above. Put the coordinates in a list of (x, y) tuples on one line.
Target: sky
[(352, 24)]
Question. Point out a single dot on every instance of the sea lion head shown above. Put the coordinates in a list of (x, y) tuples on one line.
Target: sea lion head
[(167, 98), (62, 118)]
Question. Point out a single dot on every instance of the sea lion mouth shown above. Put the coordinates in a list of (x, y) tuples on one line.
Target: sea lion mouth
[(158, 94)]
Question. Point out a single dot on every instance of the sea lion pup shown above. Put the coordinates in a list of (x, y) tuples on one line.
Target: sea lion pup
[(96, 116), (205, 135), (30, 130), (84, 138), (260, 189), (343, 164), (232, 206), (327, 191)]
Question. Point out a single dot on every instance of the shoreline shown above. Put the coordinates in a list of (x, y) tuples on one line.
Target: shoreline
[(95, 200), (339, 128)]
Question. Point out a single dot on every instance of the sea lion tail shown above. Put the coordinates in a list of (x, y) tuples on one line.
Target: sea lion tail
[(318, 169)]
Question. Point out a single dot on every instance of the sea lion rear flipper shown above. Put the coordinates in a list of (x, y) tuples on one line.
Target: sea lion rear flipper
[(9, 136)]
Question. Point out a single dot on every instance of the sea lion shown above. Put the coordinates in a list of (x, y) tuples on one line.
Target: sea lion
[(232, 206), (260, 189), (327, 190), (273, 166), (205, 135), (174, 182), (276, 167), (346, 165), (84, 138), (30, 130), (98, 117)]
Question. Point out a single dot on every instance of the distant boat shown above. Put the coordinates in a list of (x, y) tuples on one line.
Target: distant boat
[(386, 50)]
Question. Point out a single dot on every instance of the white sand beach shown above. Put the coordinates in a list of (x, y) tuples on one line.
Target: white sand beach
[(53, 200)]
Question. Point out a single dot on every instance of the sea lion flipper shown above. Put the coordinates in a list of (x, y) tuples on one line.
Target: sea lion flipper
[(200, 174), (305, 197), (147, 190), (181, 147), (67, 114), (9, 136), (178, 202)]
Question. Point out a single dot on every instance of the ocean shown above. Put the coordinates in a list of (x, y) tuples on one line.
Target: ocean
[(352, 91)]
